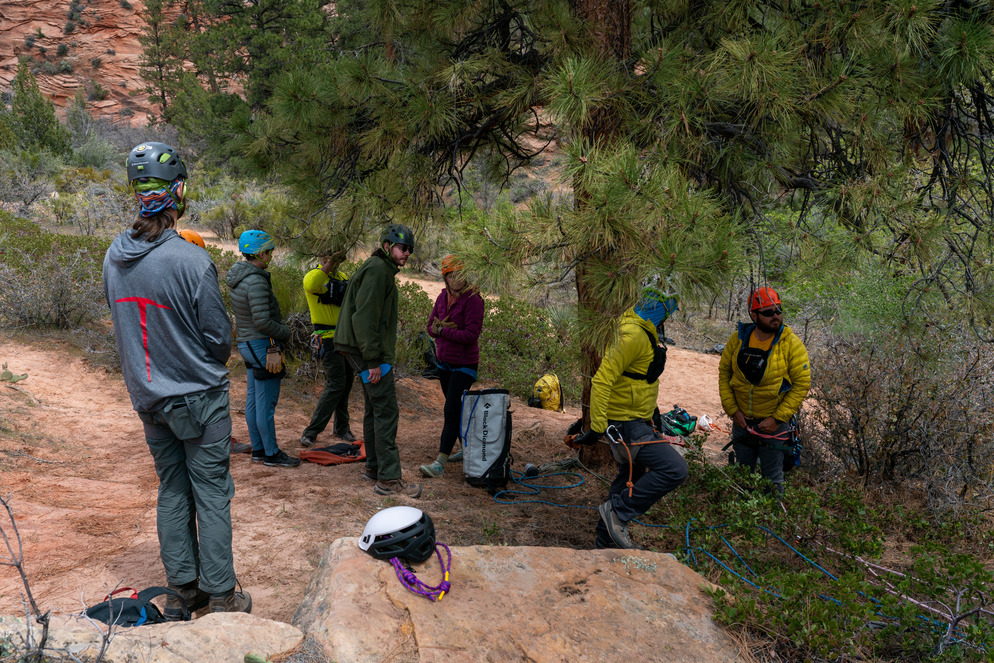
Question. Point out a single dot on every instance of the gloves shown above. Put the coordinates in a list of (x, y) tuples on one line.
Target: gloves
[(274, 359), (588, 438)]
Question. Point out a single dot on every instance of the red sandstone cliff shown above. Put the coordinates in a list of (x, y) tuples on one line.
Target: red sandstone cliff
[(106, 29)]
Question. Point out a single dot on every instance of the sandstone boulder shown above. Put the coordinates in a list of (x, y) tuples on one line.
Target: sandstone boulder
[(514, 604), (218, 638)]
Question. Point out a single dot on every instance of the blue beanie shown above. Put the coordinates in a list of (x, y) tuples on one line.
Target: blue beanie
[(656, 306), (254, 242)]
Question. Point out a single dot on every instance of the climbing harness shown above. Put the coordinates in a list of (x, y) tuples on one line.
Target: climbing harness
[(407, 577)]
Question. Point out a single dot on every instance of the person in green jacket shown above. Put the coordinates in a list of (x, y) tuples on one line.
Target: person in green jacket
[(260, 331), (367, 335), (623, 395), (324, 288), (763, 377)]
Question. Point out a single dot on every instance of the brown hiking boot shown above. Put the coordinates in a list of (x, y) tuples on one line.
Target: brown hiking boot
[(397, 487), (231, 601), (194, 597)]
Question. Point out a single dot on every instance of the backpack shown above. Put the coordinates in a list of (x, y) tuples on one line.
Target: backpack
[(485, 429), (547, 393), (657, 364), (676, 422), (335, 454), (134, 610), (336, 292)]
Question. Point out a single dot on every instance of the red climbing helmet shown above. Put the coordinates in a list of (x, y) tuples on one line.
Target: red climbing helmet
[(763, 298)]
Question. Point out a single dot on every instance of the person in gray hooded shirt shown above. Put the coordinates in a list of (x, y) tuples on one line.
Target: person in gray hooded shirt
[(174, 339)]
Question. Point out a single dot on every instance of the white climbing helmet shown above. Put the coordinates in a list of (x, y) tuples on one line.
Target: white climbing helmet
[(400, 531)]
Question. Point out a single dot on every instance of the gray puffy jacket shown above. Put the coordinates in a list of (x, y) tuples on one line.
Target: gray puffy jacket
[(257, 313)]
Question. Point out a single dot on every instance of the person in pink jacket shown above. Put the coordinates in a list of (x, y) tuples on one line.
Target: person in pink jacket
[(455, 324)]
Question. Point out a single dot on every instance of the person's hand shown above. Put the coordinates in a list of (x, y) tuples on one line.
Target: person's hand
[(448, 323), (436, 327), (588, 438), (768, 425), (374, 375), (739, 419)]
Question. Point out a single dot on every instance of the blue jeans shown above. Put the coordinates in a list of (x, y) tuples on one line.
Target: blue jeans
[(261, 399)]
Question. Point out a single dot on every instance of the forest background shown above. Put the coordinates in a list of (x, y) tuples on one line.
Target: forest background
[(573, 153)]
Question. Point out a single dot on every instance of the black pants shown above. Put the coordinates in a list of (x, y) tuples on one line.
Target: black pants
[(454, 383), (657, 469)]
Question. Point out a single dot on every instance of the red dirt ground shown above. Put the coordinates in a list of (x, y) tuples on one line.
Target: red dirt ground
[(82, 486)]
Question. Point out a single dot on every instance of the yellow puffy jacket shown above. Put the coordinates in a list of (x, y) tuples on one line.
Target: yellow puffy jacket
[(618, 397), (783, 386)]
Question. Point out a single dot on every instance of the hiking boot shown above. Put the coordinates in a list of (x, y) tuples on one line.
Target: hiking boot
[(347, 436), (456, 457), (615, 528), (231, 601), (240, 447), (433, 470), (280, 459), (369, 474), (258, 455), (194, 597), (306, 441), (397, 487)]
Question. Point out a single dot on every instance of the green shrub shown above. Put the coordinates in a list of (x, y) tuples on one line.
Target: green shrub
[(65, 67), (98, 92), (919, 406), (519, 344), (798, 575), (125, 4), (95, 62), (29, 41), (62, 50), (69, 27), (50, 280), (414, 306)]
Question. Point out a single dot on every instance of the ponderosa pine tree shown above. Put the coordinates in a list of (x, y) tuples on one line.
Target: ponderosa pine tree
[(683, 123)]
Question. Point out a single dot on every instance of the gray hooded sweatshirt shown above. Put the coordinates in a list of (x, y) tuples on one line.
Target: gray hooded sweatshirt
[(173, 333)]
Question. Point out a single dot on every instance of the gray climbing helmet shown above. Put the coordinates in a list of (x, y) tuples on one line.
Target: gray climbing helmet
[(156, 160), (396, 233)]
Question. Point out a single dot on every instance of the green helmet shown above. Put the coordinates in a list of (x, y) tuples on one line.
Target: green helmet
[(396, 233), (155, 160)]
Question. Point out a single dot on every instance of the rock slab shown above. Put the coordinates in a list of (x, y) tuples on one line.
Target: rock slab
[(541, 605), (218, 638)]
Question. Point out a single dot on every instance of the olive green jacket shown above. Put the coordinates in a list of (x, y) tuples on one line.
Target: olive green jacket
[(367, 323)]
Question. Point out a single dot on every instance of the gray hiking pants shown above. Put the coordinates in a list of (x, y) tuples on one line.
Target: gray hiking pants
[(190, 441), (749, 449)]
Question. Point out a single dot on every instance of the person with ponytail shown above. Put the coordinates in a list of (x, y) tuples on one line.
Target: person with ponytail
[(174, 340)]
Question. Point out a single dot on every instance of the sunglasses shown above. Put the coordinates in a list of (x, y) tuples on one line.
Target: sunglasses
[(404, 248), (769, 313)]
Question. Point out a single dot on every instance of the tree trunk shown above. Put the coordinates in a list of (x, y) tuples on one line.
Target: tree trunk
[(609, 24)]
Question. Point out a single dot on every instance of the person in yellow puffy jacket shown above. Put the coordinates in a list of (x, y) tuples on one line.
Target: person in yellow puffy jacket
[(763, 378), (623, 396)]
